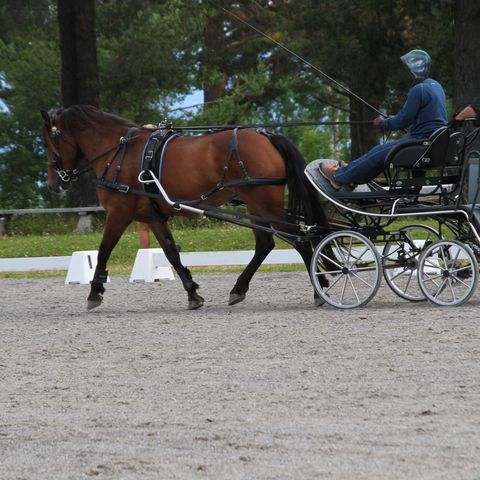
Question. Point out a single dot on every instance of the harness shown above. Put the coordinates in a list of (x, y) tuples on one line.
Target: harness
[(71, 175), (154, 154), (121, 147), (153, 163)]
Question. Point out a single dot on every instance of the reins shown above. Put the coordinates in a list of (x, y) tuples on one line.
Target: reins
[(260, 126)]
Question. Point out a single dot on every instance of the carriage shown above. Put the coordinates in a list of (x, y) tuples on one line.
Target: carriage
[(378, 229), (151, 175)]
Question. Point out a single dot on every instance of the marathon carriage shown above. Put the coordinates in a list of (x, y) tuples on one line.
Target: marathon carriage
[(150, 175), (436, 261)]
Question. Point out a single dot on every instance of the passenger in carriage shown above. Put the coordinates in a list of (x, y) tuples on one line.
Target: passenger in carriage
[(470, 111), (424, 112)]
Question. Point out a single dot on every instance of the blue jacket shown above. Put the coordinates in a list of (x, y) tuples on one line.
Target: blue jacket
[(424, 111)]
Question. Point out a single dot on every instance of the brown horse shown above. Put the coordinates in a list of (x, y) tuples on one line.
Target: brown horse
[(217, 167)]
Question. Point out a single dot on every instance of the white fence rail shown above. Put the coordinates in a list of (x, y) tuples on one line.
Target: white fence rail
[(28, 264), (150, 264)]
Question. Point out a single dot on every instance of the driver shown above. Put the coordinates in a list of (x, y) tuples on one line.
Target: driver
[(424, 112)]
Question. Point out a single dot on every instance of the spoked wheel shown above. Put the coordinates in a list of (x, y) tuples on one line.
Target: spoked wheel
[(400, 258), (448, 272), (345, 269)]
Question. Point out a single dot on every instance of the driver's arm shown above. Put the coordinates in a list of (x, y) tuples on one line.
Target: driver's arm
[(469, 111)]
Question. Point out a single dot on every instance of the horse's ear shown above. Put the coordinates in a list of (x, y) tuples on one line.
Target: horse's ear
[(46, 117)]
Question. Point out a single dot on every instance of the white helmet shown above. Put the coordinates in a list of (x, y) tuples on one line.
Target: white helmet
[(417, 63)]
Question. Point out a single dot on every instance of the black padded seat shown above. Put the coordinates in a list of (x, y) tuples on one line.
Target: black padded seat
[(421, 153), (427, 167)]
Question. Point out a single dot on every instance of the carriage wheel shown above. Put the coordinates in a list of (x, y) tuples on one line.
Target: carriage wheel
[(448, 272), (400, 259), (350, 263)]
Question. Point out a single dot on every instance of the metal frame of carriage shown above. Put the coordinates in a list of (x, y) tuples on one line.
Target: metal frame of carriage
[(423, 179)]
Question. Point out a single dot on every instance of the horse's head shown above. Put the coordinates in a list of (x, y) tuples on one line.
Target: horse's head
[(63, 152)]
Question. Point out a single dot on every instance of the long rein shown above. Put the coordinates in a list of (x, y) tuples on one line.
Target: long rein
[(71, 175)]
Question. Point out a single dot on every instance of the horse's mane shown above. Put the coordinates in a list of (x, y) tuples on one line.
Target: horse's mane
[(84, 116)]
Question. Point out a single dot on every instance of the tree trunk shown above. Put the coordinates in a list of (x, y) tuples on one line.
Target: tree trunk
[(66, 23), (363, 136), (78, 49), (467, 70), (86, 42), (467, 46), (213, 41)]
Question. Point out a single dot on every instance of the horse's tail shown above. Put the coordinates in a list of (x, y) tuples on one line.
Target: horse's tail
[(302, 197)]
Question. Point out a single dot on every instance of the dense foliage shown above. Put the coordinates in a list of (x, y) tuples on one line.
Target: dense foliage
[(151, 53)]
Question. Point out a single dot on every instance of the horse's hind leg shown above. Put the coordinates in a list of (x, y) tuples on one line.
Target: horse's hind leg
[(306, 252), (164, 236), (264, 244)]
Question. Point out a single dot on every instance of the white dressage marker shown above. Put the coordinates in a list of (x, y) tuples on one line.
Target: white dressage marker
[(148, 268), (82, 267), (152, 265)]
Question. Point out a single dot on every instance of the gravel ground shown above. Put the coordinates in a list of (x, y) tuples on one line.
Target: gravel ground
[(272, 388)]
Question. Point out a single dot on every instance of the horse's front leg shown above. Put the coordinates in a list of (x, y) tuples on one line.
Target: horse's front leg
[(114, 227), (164, 236)]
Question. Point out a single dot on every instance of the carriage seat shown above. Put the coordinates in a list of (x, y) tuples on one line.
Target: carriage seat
[(425, 167), (439, 149)]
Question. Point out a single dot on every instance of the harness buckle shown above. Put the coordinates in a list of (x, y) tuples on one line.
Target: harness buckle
[(123, 188), (64, 175), (149, 155)]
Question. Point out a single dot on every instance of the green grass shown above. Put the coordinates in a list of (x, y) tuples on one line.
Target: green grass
[(214, 237), (221, 237)]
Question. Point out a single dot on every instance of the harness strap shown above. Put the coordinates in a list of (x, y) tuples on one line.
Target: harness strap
[(121, 146), (212, 211), (122, 188), (234, 151), (242, 182), (234, 183), (234, 148)]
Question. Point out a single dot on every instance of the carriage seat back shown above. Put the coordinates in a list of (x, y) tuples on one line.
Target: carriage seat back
[(427, 167), (438, 150)]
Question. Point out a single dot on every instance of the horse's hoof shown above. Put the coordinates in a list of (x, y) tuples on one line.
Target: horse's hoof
[(319, 301), (236, 298), (94, 302), (196, 303), (91, 304)]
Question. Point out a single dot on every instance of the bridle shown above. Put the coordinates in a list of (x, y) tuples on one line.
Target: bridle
[(65, 175), (71, 175)]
